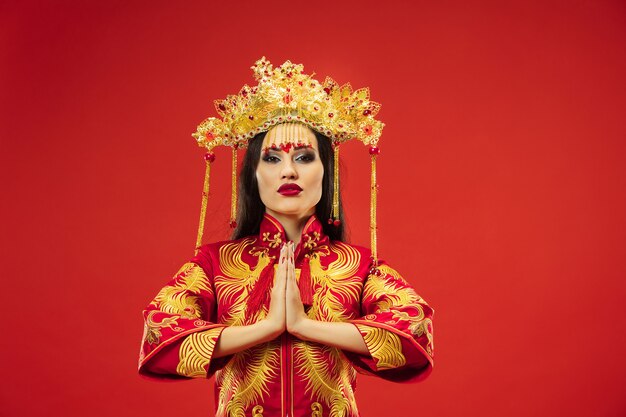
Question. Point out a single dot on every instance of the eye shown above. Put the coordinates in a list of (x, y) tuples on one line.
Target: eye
[(272, 159), (306, 157)]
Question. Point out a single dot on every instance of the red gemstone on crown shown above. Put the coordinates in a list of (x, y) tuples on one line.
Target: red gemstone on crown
[(222, 107), (209, 156), (367, 112)]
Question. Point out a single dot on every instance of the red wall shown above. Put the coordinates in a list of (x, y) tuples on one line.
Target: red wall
[(502, 189)]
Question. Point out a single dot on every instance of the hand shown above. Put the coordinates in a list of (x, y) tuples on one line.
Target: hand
[(295, 314), (276, 314)]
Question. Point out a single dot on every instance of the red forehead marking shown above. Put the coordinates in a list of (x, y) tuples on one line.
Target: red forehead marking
[(286, 146)]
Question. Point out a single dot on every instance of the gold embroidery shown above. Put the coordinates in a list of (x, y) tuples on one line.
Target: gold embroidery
[(234, 286), (316, 364), (393, 295), (338, 286), (243, 381), (316, 409), (384, 346), (195, 353), (418, 325), (179, 298), (347, 377), (311, 240), (152, 329), (257, 411), (388, 292), (275, 241)]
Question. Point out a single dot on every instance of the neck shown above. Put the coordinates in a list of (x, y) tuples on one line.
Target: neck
[(292, 223)]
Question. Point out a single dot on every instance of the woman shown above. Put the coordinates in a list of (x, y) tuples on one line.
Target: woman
[(285, 312)]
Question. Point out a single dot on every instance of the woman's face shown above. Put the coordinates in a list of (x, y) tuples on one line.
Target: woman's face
[(290, 171)]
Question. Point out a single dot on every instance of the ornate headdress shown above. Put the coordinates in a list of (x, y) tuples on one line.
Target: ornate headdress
[(285, 94)]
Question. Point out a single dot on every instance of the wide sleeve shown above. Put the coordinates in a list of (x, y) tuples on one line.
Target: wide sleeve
[(397, 328), (180, 330)]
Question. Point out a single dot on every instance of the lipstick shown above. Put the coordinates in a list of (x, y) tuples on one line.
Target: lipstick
[(290, 190)]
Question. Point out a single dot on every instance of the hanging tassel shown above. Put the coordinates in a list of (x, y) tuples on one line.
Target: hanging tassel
[(374, 151), (208, 158), (335, 210), (260, 294), (233, 191), (306, 287)]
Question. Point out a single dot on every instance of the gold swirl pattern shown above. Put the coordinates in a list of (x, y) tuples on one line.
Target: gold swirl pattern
[(316, 409), (152, 328), (257, 411), (384, 346), (196, 352)]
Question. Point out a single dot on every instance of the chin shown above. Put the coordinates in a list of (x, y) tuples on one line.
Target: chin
[(291, 210)]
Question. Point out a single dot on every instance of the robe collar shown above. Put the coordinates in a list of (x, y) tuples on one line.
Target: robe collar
[(272, 235)]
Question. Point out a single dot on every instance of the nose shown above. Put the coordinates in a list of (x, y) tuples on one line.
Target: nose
[(288, 170)]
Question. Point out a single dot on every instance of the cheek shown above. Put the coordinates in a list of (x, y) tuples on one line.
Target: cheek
[(261, 180), (317, 177)]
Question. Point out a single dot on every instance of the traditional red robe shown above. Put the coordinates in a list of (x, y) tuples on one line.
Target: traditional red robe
[(286, 376)]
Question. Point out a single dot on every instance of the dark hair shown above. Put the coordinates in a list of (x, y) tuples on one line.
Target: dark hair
[(250, 208)]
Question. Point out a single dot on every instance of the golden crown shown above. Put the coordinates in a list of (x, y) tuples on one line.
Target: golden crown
[(286, 94)]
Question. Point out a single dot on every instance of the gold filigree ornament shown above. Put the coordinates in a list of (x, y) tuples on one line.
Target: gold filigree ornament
[(286, 94)]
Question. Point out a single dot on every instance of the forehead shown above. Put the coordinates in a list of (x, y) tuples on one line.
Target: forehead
[(292, 133)]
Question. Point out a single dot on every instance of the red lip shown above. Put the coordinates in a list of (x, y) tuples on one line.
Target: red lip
[(290, 189)]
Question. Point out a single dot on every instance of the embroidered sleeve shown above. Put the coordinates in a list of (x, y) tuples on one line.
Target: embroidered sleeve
[(180, 332), (396, 325)]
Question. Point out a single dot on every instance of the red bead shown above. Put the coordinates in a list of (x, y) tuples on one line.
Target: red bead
[(327, 90), (337, 222), (367, 112), (330, 115), (233, 224), (374, 150), (330, 221), (209, 156), (251, 117), (222, 107)]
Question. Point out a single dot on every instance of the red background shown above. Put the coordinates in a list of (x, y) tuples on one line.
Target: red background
[(502, 189)]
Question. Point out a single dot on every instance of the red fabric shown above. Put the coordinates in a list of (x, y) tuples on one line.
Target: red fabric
[(286, 375)]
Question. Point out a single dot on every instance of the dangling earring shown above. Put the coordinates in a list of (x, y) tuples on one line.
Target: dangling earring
[(209, 157), (233, 191), (373, 151), (334, 219)]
